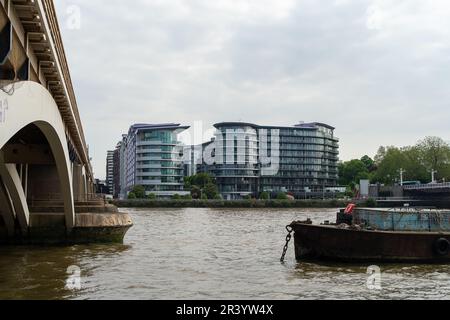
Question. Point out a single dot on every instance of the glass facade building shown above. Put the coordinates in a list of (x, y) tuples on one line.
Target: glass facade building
[(153, 157), (116, 171), (249, 159), (110, 171), (235, 153)]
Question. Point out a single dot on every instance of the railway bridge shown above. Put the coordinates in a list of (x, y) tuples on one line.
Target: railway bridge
[(44, 158)]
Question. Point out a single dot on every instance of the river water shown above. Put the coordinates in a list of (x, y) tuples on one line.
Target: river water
[(206, 254)]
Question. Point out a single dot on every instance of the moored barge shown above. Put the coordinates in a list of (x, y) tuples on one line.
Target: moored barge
[(376, 235)]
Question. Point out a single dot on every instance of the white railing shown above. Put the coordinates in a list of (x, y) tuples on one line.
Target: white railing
[(430, 186)]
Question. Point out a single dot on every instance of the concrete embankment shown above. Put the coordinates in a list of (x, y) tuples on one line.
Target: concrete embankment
[(230, 204), (311, 203)]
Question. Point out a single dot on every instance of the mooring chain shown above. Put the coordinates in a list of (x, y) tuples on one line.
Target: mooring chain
[(288, 239)]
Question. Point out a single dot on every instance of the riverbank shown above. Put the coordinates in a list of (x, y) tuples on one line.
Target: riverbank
[(334, 203)]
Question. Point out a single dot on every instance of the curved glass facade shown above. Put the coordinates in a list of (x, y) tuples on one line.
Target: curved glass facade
[(154, 159), (236, 166), (308, 160), (250, 159)]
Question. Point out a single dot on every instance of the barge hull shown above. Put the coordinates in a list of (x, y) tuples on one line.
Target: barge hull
[(333, 243)]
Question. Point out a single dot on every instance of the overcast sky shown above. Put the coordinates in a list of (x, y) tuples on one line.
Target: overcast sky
[(379, 70)]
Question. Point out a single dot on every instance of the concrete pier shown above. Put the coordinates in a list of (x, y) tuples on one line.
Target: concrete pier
[(103, 224)]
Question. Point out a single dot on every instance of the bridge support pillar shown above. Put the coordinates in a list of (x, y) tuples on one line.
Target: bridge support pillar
[(13, 183), (92, 188), (78, 182), (83, 187), (7, 210), (87, 187)]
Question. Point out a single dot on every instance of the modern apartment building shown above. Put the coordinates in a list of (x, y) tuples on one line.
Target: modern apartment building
[(192, 158), (116, 171), (110, 171), (153, 159), (122, 167), (247, 159)]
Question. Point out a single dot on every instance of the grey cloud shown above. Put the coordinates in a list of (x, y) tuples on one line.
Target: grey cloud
[(377, 70)]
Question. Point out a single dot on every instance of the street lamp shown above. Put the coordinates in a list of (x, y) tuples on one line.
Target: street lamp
[(433, 173), (401, 176)]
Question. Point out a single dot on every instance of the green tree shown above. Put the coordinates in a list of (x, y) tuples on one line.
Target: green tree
[(369, 163), (211, 191), (390, 162), (351, 172), (381, 153), (187, 197), (264, 196), (435, 155), (349, 192), (201, 183), (196, 192), (187, 183), (414, 170), (406, 158), (282, 196), (431, 153), (200, 180), (139, 191), (152, 196), (131, 195)]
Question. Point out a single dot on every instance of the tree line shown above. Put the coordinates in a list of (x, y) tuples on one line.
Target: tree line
[(201, 186), (417, 162)]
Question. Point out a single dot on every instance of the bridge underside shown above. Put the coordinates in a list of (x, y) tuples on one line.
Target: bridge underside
[(37, 170), (45, 170)]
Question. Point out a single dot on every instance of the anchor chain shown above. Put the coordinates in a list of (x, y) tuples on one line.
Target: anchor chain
[(288, 239)]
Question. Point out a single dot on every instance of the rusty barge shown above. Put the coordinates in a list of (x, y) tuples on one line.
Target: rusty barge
[(376, 235)]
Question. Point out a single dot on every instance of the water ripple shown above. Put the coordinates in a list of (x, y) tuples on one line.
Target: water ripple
[(206, 254)]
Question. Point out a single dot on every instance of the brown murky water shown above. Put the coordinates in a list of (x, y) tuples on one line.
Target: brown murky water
[(206, 254)]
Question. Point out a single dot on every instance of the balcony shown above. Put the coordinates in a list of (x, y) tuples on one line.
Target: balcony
[(157, 143), (158, 159), (148, 150)]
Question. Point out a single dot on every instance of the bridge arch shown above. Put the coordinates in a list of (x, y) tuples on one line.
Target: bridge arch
[(25, 105)]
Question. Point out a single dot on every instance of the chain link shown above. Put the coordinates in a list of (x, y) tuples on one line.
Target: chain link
[(288, 239)]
